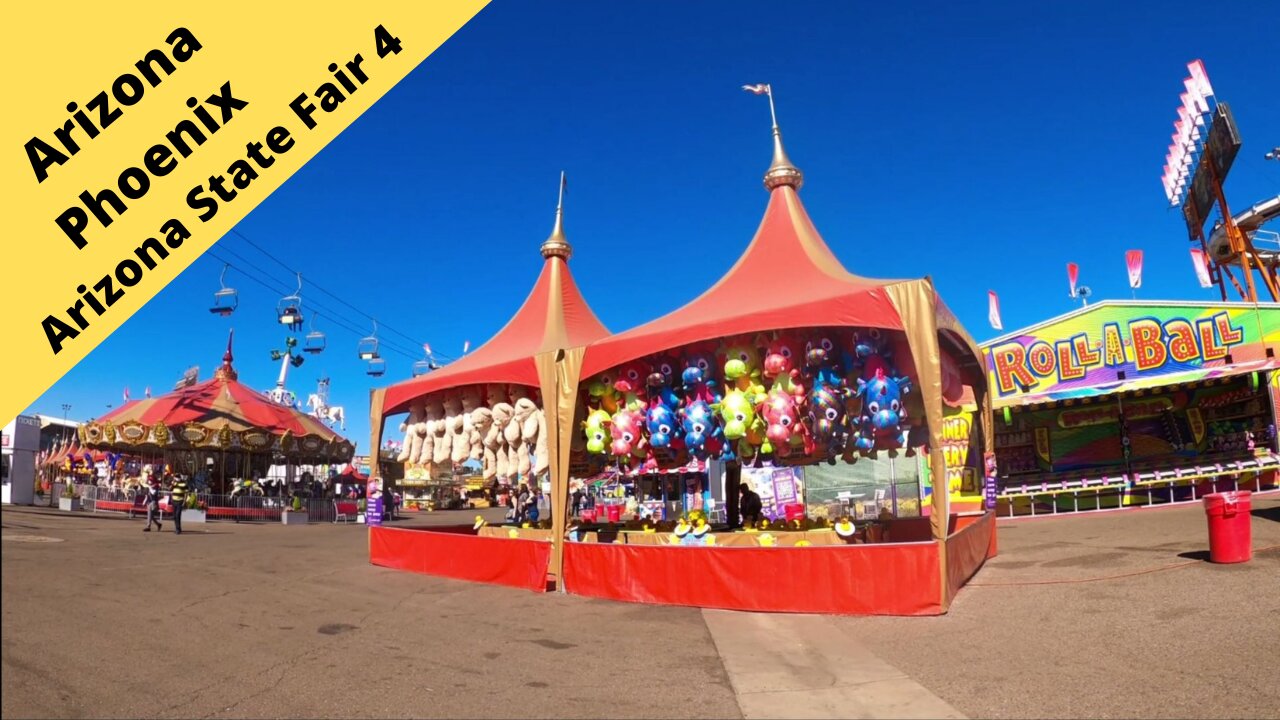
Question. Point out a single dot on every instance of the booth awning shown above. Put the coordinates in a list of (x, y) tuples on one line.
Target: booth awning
[(554, 316), (1169, 380)]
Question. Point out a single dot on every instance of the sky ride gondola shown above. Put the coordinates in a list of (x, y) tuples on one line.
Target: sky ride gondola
[(377, 367), (367, 348), (225, 300), (425, 365), (315, 341), (289, 309)]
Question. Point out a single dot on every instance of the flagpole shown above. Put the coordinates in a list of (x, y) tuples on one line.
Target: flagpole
[(773, 115)]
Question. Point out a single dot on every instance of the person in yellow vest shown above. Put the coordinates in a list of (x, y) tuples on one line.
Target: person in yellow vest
[(177, 498)]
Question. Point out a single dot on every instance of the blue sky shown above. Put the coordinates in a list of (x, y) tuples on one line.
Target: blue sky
[(985, 144)]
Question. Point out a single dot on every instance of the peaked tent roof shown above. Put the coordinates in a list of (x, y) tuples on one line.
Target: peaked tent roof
[(223, 401), (786, 251), (554, 316)]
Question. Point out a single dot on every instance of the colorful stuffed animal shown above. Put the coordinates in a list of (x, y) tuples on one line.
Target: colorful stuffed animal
[(782, 366), (603, 395), (742, 369), (828, 360), (782, 423), (596, 428), (702, 434), (827, 421), (741, 425), (697, 380), (880, 425), (662, 424), (629, 383), (626, 428), (662, 382)]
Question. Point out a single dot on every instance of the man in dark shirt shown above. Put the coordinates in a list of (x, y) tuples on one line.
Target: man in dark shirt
[(177, 498), (152, 501), (750, 506)]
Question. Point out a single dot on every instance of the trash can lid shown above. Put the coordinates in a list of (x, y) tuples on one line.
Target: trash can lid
[(1233, 497)]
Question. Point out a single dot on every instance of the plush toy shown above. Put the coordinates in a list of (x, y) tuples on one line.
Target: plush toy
[(741, 424), (781, 366), (697, 380), (662, 383), (481, 449), (511, 431), (526, 420), (600, 390), (628, 439), (702, 434), (827, 421), (629, 383), (471, 398), (597, 431), (662, 424), (828, 360), (455, 425), (503, 413), (783, 427), (412, 441), (742, 365), (883, 414), (437, 445)]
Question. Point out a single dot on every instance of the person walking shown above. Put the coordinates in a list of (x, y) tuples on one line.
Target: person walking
[(152, 501), (177, 498)]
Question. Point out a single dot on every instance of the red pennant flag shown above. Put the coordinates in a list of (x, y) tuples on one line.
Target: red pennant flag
[(1133, 259), (993, 310), (1202, 267), (126, 394), (1073, 274)]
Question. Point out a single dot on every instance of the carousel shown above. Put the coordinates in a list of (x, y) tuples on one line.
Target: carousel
[(788, 361), (220, 433)]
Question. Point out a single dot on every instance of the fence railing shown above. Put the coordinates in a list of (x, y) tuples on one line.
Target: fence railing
[(235, 508)]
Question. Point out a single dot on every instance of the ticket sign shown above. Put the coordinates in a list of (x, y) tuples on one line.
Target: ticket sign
[(373, 503), (1117, 341)]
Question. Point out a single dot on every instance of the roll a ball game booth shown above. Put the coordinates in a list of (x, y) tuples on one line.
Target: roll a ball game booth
[(786, 287), (1135, 403)]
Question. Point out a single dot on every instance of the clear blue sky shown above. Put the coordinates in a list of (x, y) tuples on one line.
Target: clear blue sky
[(985, 144)]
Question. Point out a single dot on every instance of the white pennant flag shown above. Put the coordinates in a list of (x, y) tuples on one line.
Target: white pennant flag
[(1202, 268), (993, 310)]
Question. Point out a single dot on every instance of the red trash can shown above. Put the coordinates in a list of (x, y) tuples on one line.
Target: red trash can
[(615, 513), (1230, 526)]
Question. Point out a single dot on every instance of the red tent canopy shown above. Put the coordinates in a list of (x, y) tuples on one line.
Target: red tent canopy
[(786, 252), (198, 414), (554, 316)]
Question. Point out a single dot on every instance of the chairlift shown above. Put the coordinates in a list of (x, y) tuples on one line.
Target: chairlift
[(225, 300), (367, 348), (289, 309), (425, 365), (377, 366), (315, 341)]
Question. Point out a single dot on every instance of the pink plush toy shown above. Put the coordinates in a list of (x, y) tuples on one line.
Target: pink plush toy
[(783, 427), (782, 363)]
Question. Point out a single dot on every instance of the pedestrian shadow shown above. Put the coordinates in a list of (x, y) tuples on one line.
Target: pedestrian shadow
[(1271, 513), (1202, 555)]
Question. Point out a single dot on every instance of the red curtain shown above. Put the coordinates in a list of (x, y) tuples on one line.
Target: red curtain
[(887, 579), (497, 561)]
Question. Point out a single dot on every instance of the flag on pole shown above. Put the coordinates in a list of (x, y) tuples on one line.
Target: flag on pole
[(1073, 274), (761, 89), (126, 393), (1202, 268), (427, 347), (1133, 260), (466, 345), (147, 392), (993, 310)]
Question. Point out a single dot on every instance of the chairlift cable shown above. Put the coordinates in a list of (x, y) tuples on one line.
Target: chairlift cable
[(319, 287)]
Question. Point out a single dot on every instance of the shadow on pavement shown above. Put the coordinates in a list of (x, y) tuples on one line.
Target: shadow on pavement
[(1271, 513), (1202, 555)]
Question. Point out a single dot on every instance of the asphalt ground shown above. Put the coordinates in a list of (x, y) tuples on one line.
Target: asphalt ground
[(1104, 615)]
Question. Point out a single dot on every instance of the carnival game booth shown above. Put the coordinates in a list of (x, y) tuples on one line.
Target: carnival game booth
[(1135, 403), (221, 434), (788, 360), (488, 406)]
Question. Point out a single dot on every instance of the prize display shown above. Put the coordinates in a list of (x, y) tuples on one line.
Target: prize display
[(503, 427), (810, 395)]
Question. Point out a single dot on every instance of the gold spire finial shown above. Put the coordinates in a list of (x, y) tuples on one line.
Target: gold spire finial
[(226, 372), (781, 171), (556, 245)]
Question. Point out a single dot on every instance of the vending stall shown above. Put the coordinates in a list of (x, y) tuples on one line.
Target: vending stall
[(1126, 403)]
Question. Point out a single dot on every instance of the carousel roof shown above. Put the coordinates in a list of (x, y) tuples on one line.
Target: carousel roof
[(553, 316), (211, 410), (787, 251)]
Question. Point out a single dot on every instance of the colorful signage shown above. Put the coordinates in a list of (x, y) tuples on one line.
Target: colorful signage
[(1117, 341)]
